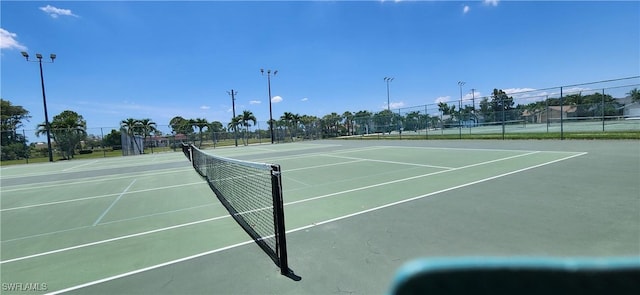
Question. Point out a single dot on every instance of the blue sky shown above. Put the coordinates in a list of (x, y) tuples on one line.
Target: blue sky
[(158, 60)]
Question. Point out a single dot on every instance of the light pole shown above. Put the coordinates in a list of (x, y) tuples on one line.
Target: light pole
[(460, 83), (388, 79), (44, 98), (233, 105), (270, 109)]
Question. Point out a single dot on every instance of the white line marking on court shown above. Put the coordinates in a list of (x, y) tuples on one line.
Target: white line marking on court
[(113, 239), (435, 193), (310, 155), (101, 196), (307, 226), (151, 268), (297, 181), (322, 166), (408, 178), (114, 202), (95, 179), (286, 204), (389, 162), (105, 223), (85, 164)]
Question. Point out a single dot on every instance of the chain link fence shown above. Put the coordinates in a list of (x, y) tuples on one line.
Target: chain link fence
[(604, 106)]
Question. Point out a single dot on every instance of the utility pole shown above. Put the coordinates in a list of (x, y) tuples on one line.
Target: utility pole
[(233, 104)]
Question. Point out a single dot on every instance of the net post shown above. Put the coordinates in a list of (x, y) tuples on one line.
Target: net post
[(278, 212), (193, 163)]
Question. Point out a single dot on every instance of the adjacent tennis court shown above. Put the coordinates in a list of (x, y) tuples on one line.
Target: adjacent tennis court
[(355, 211)]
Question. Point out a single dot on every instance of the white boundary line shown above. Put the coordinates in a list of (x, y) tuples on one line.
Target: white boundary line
[(309, 226)]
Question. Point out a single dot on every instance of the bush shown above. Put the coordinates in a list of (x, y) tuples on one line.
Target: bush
[(84, 152)]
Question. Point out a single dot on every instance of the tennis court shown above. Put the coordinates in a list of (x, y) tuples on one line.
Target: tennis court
[(355, 212)]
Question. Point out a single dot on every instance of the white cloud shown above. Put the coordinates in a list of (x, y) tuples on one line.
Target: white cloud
[(466, 9), (205, 107), (55, 12), (396, 105), (276, 99), (443, 99), (255, 102), (8, 41), (491, 2), (304, 99)]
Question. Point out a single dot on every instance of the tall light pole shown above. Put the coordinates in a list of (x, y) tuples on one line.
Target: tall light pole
[(44, 99), (388, 79), (270, 109), (233, 106), (460, 83)]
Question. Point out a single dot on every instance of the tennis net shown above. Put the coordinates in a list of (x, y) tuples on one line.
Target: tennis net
[(252, 193)]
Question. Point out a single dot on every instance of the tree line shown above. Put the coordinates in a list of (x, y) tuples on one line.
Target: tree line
[(68, 129)]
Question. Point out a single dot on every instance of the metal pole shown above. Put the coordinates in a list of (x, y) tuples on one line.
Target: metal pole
[(561, 122), (28, 152), (546, 104), (460, 83), (602, 109), (46, 114), (233, 105), (473, 107), (270, 108)]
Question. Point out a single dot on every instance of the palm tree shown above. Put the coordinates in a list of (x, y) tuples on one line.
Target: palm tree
[(295, 122), (200, 123), (246, 117), (68, 129), (130, 126), (635, 95), (215, 127), (363, 118), (146, 127), (287, 120), (235, 122), (348, 121)]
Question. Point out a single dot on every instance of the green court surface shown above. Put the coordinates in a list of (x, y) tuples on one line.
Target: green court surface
[(355, 212)]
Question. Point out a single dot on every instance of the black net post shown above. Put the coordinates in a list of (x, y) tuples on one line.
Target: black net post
[(278, 214)]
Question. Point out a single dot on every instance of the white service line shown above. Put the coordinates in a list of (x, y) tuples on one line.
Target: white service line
[(308, 226)]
